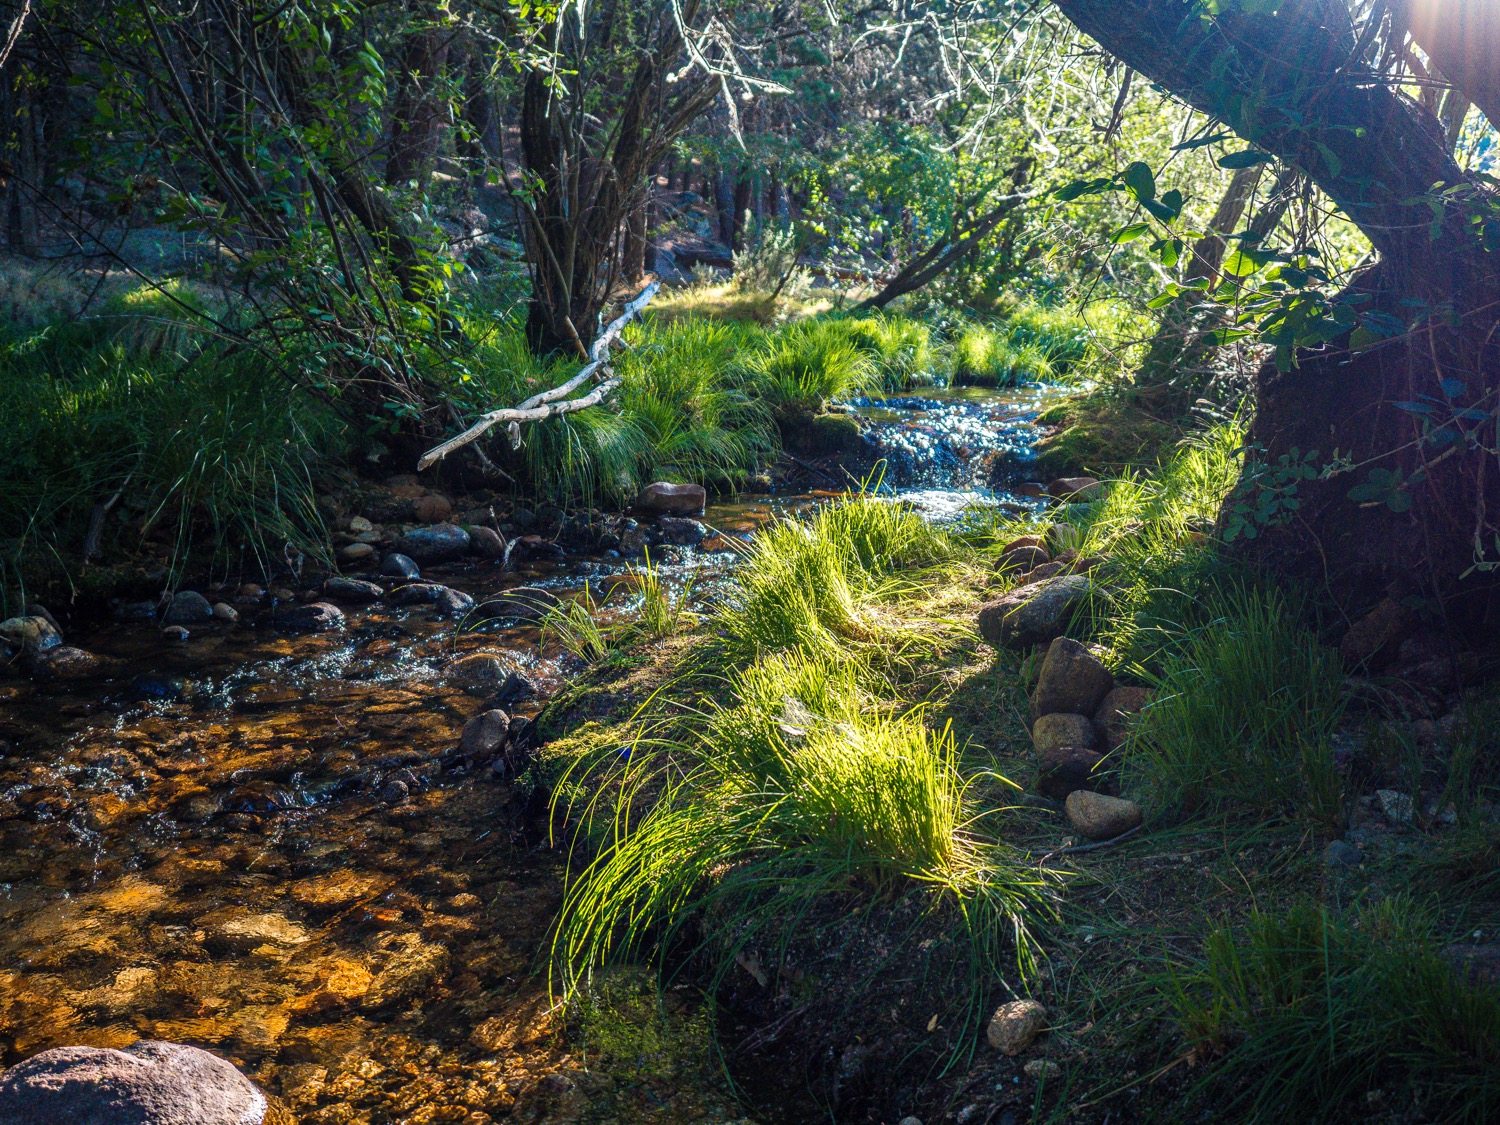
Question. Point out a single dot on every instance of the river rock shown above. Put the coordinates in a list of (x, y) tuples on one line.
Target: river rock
[(187, 607), (1021, 559), (397, 565), (66, 662), (1099, 817), (415, 593), (432, 508), (516, 687), (1118, 710), (358, 525), (453, 603), (522, 735), (1015, 1026), (315, 617), (147, 1083), (352, 591), (394, 792), (524, 603), (662, 498), (1065, 769), (226, 613), (1075, 488), (1059, 729), (1072, 679), (441, 542), (355, 554), (1045, 571), (235, 928), (1025, 541), (681, 532), (486, 542), (485, 734), (1376, 637), (411, 966), (478, 673), (1032, 614)]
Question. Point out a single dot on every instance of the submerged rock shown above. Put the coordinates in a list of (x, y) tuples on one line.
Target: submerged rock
[(1099, 817), (1072, 679), (354, 591), (442, 542), (147, 1083), (1032, 614), (67, 663), (681, 532), (1015, 1026), (316, 617), (412, 965), (479, 673), (662, 498)]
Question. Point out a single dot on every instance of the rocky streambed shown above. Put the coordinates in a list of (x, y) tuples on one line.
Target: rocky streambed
[(281, 821)]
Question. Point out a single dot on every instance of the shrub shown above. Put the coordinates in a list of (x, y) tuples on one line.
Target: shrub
[(1306, 1014)]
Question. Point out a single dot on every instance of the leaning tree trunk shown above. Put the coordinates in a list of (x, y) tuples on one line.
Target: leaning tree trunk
[(1290, 83)]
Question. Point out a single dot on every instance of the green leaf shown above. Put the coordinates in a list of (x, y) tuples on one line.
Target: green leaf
[(1129, 233), (1247, 158), (1140, 181)]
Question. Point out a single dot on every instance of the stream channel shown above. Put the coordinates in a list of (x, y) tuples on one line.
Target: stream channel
[(261, 844)]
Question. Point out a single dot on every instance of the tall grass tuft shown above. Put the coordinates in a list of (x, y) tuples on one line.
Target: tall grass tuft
[(1306, 1014), (805, 366), (1243, 715)]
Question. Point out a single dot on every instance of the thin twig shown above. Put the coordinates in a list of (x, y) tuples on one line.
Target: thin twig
[(1079, 849), (545, 404)]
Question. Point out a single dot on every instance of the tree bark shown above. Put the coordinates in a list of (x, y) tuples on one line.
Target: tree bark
[(419, 114)]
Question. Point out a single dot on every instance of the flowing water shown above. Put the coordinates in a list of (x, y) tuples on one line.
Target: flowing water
[(266, 845)]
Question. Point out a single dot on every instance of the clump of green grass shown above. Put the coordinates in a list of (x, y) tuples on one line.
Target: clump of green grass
[(1306, 1014), (1242, 717), (1027, 343), (800, 369), (901, 347), (591, 632)]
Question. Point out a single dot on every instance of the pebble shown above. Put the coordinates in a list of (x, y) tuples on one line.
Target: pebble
[(358, 525), (1099, 817), (1015, 1026), (1041, 1068), (356, 553)]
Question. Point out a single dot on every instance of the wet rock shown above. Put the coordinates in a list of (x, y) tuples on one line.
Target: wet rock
[(337, 889), (315, 617), (1015, 1026), (479, 673), (147, 1083), (441, 542), (226, 613), (432, 508), (358, 525), (1032, 614), (515, 688), (187, 607), (1118, 710), (394, 792), (239, 930), (1064, 769), (485, 734), (453, 603), (533, 548), (415, 593), (397, 565), (1376, 637), (67, 663), (352, 591), (522, 734), (148, 688), (1072, 679), (1021, 559), (486, 542), (524, 603), (662, 498), (1477, 963), (355, 554), (1099, 817), (135, 611), (1075, 488), (32, 636), (1059, 729), (1341, 853), (177, 633), (681, 532), (1396, 805), (412, 965)]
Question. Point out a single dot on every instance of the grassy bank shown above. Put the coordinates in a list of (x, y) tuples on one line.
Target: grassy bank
[(814, 814)]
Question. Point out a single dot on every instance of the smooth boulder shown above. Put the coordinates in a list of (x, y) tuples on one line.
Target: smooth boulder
[(664, 499), (1034, 613), (1072, 679), (441, 542), (486, 542), (352, 590), (316, 617), (147, 1083), (397, 565), (187, 607), (1051, 732), (1099, 817)]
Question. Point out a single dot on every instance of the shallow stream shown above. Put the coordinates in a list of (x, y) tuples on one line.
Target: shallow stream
[(265, 844)]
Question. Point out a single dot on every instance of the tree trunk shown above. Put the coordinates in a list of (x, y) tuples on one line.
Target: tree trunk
[(419, 114), (1289, 82), (744, 187), (635, 243)]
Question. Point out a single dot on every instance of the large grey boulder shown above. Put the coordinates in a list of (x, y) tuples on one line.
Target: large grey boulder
[(148, 1083), (1032, 614)]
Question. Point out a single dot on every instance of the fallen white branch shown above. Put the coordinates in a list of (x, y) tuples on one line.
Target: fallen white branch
[(546, 404)]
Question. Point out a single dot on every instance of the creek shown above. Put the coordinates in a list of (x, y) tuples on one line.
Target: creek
[(264, 844)]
